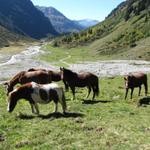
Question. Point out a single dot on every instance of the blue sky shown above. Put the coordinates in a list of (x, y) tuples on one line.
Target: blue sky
[(81, 9)]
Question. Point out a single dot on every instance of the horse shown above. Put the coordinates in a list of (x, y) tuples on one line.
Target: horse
[(84, 79), (37, 93), (133, 80), (55, 75), (41, 77)]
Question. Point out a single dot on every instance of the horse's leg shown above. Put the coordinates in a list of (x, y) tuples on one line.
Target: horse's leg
[(93, 93), (37, 108), (146, 88), (66, 85), (63, 103), (56, 107), (139, 90), (73, 92), (32, 107), (132, 89), (126, 93), (89, 91)]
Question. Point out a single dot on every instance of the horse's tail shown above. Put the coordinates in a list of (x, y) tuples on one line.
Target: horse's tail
[(96, 87), (146, 85)]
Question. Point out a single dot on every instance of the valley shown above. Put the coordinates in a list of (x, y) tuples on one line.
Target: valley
[(34, 36)]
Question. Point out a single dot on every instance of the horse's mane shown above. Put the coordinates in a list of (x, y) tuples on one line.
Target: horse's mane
[(70, 73), (18, 75)]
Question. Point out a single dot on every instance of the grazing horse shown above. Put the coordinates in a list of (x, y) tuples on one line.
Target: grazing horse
[(41, 77), (55, 75), (85, 79), (37, 93), (135, 80)]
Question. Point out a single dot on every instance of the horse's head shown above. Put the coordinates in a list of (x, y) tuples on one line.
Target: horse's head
[(67, 74), (8, 87), (12, 101), (128, 81)]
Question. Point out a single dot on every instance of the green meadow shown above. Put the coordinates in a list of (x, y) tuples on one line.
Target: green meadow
[(109, 122)]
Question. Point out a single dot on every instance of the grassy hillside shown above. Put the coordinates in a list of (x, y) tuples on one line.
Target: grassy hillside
[(8, 38), (110, 122), (122, 31)]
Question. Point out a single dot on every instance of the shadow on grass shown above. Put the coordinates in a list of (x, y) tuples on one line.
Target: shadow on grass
[(51, 115), (91, 102), (60, 115), (144, 101), (25, 116)]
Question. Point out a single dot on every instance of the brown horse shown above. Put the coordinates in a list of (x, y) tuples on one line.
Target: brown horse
[(135, 80), (85, 79), (36, 93), (55, 75), (23, 77), (41, 76)]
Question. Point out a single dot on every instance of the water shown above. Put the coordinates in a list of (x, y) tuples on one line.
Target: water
[(12, 64), (113, 68)]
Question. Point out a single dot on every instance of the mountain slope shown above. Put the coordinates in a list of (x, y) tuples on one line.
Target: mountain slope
[(6, 37), (61, 23), (120, 32), (22, 17)]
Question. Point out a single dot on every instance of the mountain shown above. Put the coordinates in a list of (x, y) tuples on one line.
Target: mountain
[(125, 32), (21, 17), (87, 22), (61, 23)]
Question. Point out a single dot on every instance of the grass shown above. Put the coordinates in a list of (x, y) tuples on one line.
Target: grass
[(70, 56), (110, 122)]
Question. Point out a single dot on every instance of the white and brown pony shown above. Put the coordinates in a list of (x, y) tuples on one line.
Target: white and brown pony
[(37, 93)]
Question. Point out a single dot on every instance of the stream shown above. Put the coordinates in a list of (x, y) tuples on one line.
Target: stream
[(12, 64)]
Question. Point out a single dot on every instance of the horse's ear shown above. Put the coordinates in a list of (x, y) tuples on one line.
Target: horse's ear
[(125, 78), (5, 83), (61, 68)]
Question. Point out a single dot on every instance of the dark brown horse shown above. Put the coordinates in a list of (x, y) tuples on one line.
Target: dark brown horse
[(55, 75), (41, 76), (36, 93), (23, 77), (85, 79), (135, 80)]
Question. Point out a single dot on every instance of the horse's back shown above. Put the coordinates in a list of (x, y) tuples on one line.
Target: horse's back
[(36, 76), (44, 93), (139, 75)]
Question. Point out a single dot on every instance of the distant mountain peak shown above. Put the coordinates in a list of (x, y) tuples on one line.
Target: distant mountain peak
[(59, 21), (88, 22)]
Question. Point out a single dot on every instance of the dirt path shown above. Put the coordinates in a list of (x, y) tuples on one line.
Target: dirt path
[(63, 60)]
